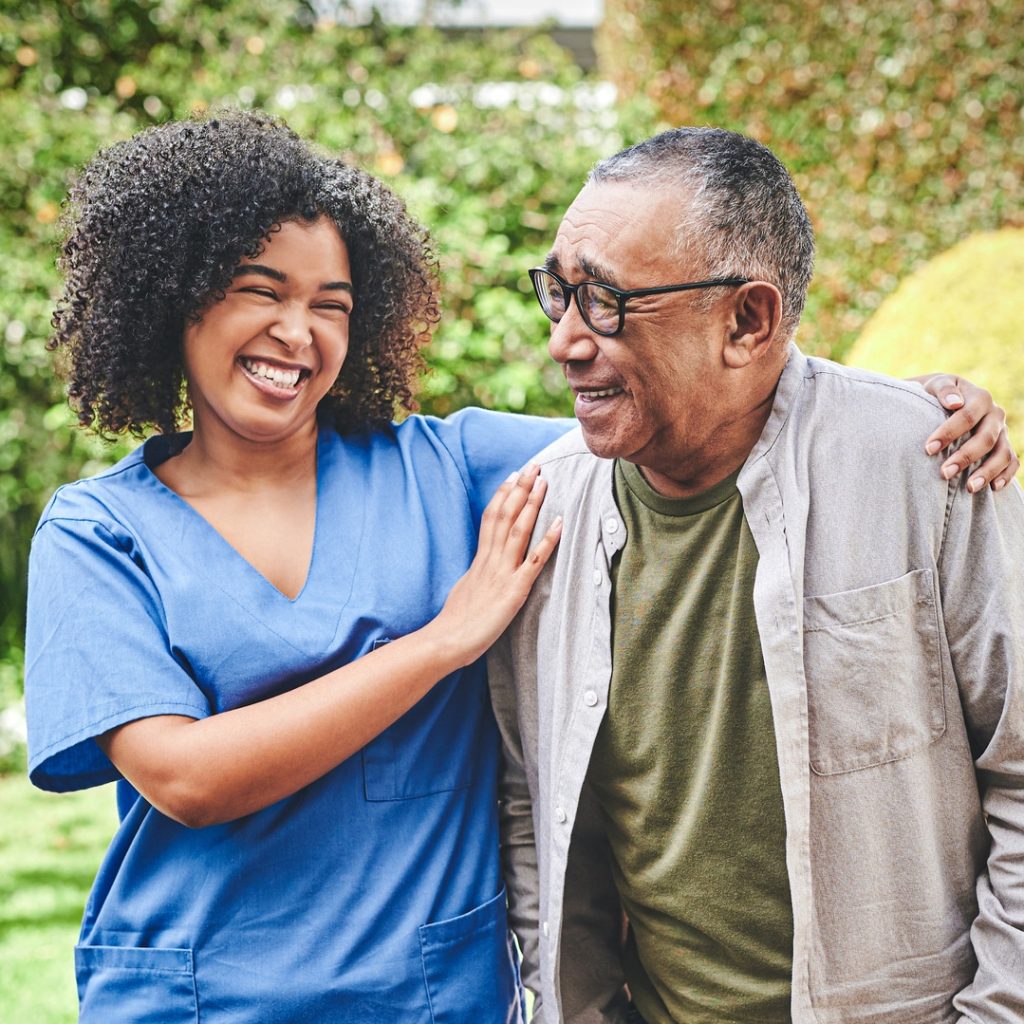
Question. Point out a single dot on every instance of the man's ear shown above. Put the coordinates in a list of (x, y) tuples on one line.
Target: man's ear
[(755, 320)]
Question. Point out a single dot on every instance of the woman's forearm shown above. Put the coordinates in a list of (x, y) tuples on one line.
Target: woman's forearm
[(212, 770)]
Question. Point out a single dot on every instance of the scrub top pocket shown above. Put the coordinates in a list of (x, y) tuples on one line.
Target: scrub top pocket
[(144, 986), (874, 674), (433, 747), (471, 969)]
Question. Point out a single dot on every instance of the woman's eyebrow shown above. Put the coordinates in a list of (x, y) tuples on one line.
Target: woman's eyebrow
[(264, 271), (259, 268)]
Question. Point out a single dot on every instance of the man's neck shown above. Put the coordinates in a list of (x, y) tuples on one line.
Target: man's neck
[(692, 473)]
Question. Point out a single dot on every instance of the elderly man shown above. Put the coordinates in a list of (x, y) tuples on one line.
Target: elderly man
[(764, 716)]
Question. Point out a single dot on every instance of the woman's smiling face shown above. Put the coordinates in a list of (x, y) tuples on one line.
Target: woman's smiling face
[(261, 359)]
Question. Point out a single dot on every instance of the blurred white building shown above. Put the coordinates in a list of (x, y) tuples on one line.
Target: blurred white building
[(572, 21), (480, 13)]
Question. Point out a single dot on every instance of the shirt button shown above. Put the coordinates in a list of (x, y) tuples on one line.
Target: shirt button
[(590, 698), (611, 524), (597, 577), (544, 929), (560, 815)]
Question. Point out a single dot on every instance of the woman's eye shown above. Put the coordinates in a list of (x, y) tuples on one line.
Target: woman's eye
[(334, 307), (265, 293)]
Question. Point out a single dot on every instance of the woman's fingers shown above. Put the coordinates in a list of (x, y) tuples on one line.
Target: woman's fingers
[(946, 388), (539, 556), (503, 509), (488, 596), (997, 466), (522, 528), (975, 411), (969, 405), (511, 516)]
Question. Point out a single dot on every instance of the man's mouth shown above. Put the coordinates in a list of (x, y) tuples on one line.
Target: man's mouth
[(592, 394), (282, 378)]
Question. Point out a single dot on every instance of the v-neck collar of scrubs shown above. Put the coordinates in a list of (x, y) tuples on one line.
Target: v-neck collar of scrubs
[(329, 578)]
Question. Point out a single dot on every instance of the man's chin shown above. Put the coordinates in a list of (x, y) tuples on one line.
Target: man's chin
[(602, 443)]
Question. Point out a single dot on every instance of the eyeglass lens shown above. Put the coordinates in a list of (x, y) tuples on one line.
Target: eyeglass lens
[(598, 306)]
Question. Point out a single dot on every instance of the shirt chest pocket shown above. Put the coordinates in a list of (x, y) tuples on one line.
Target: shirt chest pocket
[(874, 674)]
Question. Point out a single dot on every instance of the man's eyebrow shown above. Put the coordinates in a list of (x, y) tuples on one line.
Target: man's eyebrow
[(596, 271), (276, 275), (591, 269)]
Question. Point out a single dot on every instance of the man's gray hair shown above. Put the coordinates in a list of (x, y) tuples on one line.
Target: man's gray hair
[(744, 216)]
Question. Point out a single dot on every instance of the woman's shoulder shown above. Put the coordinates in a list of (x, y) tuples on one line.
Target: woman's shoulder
[(472, 432), (462, 432), (478, 446), (99, 497)]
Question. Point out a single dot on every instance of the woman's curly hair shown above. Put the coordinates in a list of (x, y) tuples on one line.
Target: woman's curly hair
[(156, 227)]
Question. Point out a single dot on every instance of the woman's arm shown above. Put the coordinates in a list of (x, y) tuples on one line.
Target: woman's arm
[(972, 409), (213, 770)]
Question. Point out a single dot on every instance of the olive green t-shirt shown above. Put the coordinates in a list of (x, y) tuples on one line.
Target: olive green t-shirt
[(685, 766)]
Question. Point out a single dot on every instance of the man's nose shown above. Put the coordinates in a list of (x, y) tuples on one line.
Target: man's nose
[(571, 339)]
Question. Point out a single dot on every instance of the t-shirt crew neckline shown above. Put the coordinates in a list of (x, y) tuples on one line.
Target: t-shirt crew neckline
[(659, 503)]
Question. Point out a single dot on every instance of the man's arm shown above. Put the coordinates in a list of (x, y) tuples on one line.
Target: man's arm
[(981, 569), (515, 809)]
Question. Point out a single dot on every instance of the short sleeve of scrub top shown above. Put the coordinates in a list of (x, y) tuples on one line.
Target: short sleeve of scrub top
[(89, 680)]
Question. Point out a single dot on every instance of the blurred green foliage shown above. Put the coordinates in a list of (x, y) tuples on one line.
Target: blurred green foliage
[(900, 120), (960, 312)]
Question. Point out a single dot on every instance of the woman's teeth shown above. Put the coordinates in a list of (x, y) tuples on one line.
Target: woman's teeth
[(274, 374)]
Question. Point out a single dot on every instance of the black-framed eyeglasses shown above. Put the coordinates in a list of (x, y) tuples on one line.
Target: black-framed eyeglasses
[(602, 307)]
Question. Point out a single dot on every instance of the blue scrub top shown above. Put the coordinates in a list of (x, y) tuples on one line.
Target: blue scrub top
[(373, 894)]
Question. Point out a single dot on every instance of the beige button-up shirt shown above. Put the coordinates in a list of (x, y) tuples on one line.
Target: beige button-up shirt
[(890, 607)]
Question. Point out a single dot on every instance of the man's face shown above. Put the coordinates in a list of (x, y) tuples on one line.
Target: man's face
[(656, 393)]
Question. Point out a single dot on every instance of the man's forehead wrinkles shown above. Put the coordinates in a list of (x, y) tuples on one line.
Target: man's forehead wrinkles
[(594, 220)]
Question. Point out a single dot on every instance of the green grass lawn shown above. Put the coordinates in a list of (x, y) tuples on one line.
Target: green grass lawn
[(50, 847)]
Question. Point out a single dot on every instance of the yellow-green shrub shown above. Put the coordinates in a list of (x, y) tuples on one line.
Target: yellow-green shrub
[(959, 313)]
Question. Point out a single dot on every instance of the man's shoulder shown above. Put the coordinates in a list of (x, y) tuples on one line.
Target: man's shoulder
[(856, 392), (845, 429)]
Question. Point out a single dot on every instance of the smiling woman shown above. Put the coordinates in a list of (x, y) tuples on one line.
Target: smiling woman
[(280, 332), (268, 629), (157, 236)]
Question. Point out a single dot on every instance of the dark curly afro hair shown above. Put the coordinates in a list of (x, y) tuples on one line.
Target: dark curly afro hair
[(157, 224)]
